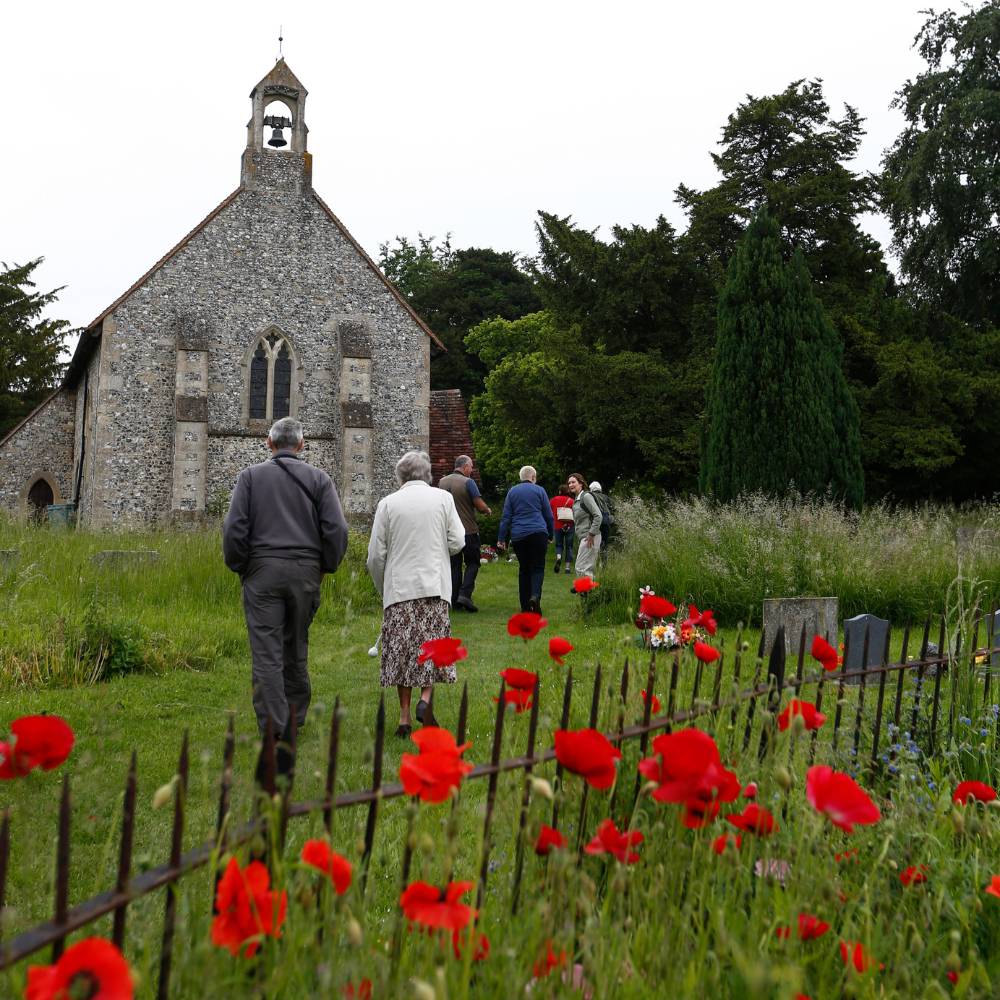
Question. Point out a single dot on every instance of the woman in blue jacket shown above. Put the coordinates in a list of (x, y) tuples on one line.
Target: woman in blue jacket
[(527, 522)]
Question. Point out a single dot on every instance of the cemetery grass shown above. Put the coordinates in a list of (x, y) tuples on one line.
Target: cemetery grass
[(148, 706)]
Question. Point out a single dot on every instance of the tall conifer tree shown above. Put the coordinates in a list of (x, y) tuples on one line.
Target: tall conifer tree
[(780, 414)]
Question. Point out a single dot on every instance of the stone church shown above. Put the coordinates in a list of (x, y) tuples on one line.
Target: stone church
[(268, 307)]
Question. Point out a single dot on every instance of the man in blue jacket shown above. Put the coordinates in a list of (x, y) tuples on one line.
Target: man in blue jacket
[(527, 522)]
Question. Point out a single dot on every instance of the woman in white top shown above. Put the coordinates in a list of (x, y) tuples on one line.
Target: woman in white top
[(414, 535)]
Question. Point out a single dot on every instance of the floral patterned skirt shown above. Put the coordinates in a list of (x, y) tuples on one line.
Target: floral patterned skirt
[(406, 626)]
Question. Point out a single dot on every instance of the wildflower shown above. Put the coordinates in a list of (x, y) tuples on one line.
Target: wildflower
[(584, 585), (840, 798), (824, 653), (610, 840), (688, 770), (480, 943), (848, 855), (775, 868), (724, 840), (588, 753), (753, 819), (437, 769), (435, 908), (246, 908), (856, 954), (520, 684), (656, 607), (558, 648), (549, 961), (517, 697), (952, 977), (975, 790), (664, 636), (363, 991), (993, 889), (317, 854), (548, 837), (750, 791), (783, 932), (805, 710), (526, 624), (43, 741), (92, 967), (655, 707), (701, 619), (811, 927), (705, 653), (442, 652), (913, 875), (646, 591)]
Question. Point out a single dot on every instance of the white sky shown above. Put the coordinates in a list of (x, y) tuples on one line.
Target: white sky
[(125, 123)]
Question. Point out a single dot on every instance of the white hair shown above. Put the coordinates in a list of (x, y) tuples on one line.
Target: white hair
[(595, 486), (527, 473), (286, 433), (462, 461), (413, 465)]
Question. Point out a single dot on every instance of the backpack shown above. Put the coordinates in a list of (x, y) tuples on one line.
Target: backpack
[(604, 506)]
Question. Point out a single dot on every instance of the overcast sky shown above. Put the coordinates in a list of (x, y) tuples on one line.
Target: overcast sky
[(125, 123)]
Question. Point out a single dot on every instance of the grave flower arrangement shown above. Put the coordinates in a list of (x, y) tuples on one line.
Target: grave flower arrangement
[(661, 626)]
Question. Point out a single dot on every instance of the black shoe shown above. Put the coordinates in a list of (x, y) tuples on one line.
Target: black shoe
[(465, 602), (557, 565), (425, 714), (534, 605), (403, 732)]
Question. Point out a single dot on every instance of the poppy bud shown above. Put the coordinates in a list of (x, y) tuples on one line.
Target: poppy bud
[(539, 786), (163, 794), (893, 865), (618, 882), (955, 936), (306, 897), (917, 944), (354, 934), (798, 724), (993, 804), (973, 825), (276, 800), (783, 777), (952, 962), (744, 646), (422, 990), (426, 843), (958, 821)]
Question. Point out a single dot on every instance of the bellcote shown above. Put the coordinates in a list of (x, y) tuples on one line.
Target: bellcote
[(276, 154)]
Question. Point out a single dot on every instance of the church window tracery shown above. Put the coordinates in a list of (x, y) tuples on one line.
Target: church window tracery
[(269, 392)]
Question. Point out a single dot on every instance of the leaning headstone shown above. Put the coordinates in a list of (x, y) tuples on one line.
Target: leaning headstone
[(124, 558), (819, 615), (7, 559), (854, 643)]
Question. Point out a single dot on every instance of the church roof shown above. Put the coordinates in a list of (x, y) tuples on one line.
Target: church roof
[(92, 332), (281, 75)]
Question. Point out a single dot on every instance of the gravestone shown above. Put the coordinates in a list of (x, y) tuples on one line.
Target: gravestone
[(7, 559), (854, 643), (124, 559), (992, 637), (819, 615), (973, 543)]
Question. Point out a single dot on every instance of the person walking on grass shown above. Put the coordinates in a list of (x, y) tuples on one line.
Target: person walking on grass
[(562, 513), (527, 521), (587, 524), (465, 493), (415, 533), (285, 528), (607, 518)]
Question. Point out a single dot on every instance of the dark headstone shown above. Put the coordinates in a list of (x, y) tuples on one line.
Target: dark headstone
[(992, 637), (854, 643)]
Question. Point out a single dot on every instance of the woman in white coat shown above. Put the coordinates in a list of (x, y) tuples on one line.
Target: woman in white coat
[(415, 533)]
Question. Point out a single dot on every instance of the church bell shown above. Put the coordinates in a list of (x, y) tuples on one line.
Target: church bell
[(277, 139)]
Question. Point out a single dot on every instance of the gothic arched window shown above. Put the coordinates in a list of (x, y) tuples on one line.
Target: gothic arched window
[(269, 392)]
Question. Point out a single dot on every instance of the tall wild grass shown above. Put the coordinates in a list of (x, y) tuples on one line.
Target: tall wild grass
[(898, 563)]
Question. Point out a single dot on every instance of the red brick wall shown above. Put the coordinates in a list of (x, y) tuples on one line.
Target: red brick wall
[(450, 435)]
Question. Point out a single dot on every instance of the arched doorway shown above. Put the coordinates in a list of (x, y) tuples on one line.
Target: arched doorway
[(39, 497)]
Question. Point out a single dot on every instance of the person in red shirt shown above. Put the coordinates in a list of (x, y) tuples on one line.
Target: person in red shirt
[(564, 528)]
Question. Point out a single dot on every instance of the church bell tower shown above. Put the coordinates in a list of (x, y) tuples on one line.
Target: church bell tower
[(276, 154)]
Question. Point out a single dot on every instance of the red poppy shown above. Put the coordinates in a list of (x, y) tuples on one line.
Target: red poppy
[(548, 837), (753, 819), (811, 927), (848, 855), (655, 707), (783, 932), (437, 769), (856, 954), (43, 741), (701, 619), (436, 908), (526, 624), (952, 977), (975, 790), (246, 908), (824, 653), (750, 792), (724, 840), (840, 797), (811, 718), (518, 697), (584, 584), (610, 840), (993, 889), (705, 652), (913, 875), (656, 607), (549, 961), (558, 648), (687, 769), (516, 678), (317, 854), (363, 991), (588, 753), (481, 949), (92, 965), (442, 652)]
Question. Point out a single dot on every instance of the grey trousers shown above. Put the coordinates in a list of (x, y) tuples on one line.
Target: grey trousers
[(280, 598)]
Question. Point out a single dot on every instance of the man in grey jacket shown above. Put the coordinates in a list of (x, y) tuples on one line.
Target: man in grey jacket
[(284, 530)]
